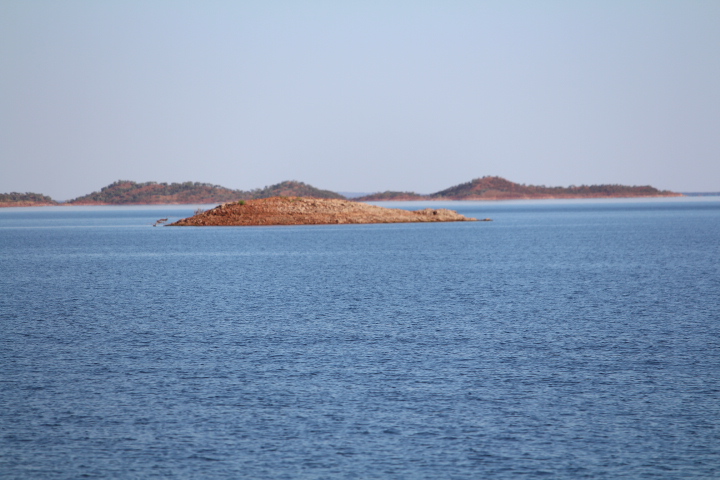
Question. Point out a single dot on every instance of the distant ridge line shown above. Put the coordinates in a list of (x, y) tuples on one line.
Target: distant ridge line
[(498, 188), (128, 192)]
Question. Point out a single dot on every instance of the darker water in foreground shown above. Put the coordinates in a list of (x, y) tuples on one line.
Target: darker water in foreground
[(564, 340)]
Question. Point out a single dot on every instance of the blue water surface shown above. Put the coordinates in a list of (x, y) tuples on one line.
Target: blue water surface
[(563, 340)]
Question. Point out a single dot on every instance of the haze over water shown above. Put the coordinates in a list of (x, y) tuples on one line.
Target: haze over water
[(565, 340)]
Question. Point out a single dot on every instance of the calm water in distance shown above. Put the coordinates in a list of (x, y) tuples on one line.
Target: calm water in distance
[(564, 340)]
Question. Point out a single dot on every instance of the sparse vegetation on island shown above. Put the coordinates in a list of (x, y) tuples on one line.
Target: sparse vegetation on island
[(126, 192), (498, 188), (392, 196), (28, 199)]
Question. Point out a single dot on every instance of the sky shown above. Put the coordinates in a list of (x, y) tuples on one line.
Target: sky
[(358, 96)]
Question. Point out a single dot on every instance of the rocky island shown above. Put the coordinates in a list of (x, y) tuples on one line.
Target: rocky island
[(312, 211)]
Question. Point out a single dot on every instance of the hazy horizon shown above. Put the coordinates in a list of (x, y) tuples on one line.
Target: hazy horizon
[(358, 97), (348, 194)]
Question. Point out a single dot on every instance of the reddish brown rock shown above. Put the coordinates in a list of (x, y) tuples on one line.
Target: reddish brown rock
[(312, 211)]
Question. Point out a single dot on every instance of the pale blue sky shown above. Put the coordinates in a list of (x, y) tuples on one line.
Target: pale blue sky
[(358, 96)]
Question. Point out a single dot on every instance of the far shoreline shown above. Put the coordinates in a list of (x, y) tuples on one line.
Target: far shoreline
[(687, 195), (487, 188)]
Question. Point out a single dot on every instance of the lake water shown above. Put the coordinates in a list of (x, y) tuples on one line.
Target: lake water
[(563, 340)]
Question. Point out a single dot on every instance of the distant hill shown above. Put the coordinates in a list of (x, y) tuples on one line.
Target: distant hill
[(498, 188), (391, 196), (28, 199), (292, 188), (126, 192)]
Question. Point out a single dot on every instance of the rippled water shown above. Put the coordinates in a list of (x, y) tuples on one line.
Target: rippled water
[(564, 340)]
